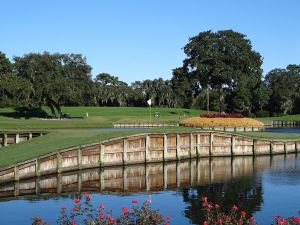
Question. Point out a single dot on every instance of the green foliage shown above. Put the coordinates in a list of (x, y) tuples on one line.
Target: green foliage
[(225, 61)]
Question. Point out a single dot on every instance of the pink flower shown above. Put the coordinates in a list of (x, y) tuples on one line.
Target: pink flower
[(125, 210), (296, 219), (251, 219), (135, 201), (148, 201), (110, 219), (76, 200), (101, 206), (205, 223), (85, 193), (204, 199), (73, 223), (235, 208), (101, 216), (63, 207), (220, 221), (166, 223), (243, 213), (168, 217), (74, 209), (217, 206)]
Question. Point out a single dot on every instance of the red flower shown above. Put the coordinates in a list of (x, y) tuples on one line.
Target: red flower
[(85, 193), (101, 206), (296, 219), (110, 219), (217, 206), (166, 223), (243, 213), (168, 217), (125, 210), (204, 199), (74, 209), (101, 216), (205, 223), (251, 219), (77, 200), (135, 201), (235, 208), (73, 223)]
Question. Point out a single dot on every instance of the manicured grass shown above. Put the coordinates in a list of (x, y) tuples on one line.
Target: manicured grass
[(272, 135), (60, 139), (289, 117), (68, 133), (98, 117)]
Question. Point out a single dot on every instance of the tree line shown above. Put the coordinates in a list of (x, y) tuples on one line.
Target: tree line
[(221, 72)]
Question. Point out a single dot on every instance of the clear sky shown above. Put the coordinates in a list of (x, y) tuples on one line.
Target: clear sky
[(139, 39)]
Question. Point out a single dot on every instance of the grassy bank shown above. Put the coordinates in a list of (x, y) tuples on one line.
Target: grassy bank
[(285, 118), (97, 117), (60, 139)]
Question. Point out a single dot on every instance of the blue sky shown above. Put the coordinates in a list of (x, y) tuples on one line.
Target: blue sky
[(139, 39)]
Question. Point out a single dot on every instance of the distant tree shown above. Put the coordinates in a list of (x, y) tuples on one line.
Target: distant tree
[(57, 79), (284, 85), (225, 61), (5, 65), (182, 88)]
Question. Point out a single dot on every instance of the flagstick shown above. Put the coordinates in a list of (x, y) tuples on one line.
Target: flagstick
[(150, 115)]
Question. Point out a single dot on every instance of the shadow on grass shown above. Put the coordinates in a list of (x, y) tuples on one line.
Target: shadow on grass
[(24, 112)]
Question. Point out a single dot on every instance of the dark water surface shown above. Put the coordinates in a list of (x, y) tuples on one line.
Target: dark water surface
[(295, 130), (264, 186)]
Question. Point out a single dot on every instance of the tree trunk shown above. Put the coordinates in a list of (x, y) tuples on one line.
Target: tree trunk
[(207, 99)]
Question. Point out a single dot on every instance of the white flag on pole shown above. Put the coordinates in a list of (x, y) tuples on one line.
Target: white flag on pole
[(149, 102)]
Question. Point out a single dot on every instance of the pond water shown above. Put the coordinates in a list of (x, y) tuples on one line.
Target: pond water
[(263, 186), (295, 130)]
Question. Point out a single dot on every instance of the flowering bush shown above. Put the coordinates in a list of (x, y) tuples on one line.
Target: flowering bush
[(279, 220), (222, 115), (215, 216), (220, 122), (84, 212)]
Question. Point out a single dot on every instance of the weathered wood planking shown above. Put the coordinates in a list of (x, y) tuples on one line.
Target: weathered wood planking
[(143, 148)]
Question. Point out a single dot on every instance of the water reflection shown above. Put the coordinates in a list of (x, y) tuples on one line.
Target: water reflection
[(225, 180), (160, 176)]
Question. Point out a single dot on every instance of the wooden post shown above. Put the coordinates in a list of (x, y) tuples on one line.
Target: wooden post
[(192, 145), (198, 144), (147, 149), (178, 146), (37, 168), (58, 157), (125, 150), (254, 147), (17, 138), (58, 184), (101, 158), (29, 136), (4, 140), (285, 147), (79, 158), (16, 172), (211, 143), (165, 147), (233, 145)]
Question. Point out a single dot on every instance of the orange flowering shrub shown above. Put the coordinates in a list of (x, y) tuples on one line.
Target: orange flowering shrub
[(221, 122)]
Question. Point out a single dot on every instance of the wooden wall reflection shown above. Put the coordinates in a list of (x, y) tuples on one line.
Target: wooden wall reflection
[(146, 177)]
